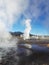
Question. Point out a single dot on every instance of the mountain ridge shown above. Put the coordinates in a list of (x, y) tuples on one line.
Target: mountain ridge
[(18, 33)]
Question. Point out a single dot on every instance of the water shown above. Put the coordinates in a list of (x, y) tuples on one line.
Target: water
[(40, 48), (37, 54), (33, 55)]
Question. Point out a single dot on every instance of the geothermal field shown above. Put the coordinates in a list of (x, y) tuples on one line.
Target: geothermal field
[(17, 51), (24, 32), (17, 48)]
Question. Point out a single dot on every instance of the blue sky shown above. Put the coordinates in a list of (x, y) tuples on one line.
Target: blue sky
[(38, 12)]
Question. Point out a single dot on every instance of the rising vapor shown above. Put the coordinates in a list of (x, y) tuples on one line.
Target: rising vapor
[(10, 10), (27, 30)]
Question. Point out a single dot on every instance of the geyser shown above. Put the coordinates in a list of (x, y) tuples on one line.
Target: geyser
[(27, 30), (10, 11)]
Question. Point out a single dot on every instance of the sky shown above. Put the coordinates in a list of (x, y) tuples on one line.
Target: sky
[(38, 12), (14, 13)]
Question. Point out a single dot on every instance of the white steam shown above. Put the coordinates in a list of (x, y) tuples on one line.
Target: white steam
[(10, 11), (39, 10), (27, 29)]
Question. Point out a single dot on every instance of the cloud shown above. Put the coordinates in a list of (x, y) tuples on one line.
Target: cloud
[(38, 10), (10, 10)]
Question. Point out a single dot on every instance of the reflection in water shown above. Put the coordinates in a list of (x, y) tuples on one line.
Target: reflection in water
[(37, 55)]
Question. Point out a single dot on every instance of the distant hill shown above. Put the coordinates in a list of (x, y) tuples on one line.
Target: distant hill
[(16, 33)]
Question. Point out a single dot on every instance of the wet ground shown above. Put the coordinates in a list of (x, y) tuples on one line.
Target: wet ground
[(27, 55)]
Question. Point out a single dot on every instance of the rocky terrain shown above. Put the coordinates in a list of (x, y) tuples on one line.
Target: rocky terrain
[(36, 52)]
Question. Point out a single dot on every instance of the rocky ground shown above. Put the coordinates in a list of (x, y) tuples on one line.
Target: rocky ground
[(25, 56)]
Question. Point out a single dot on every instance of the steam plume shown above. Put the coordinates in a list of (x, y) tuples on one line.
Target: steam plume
[(10, 11), (39, 10), (27, 29)]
